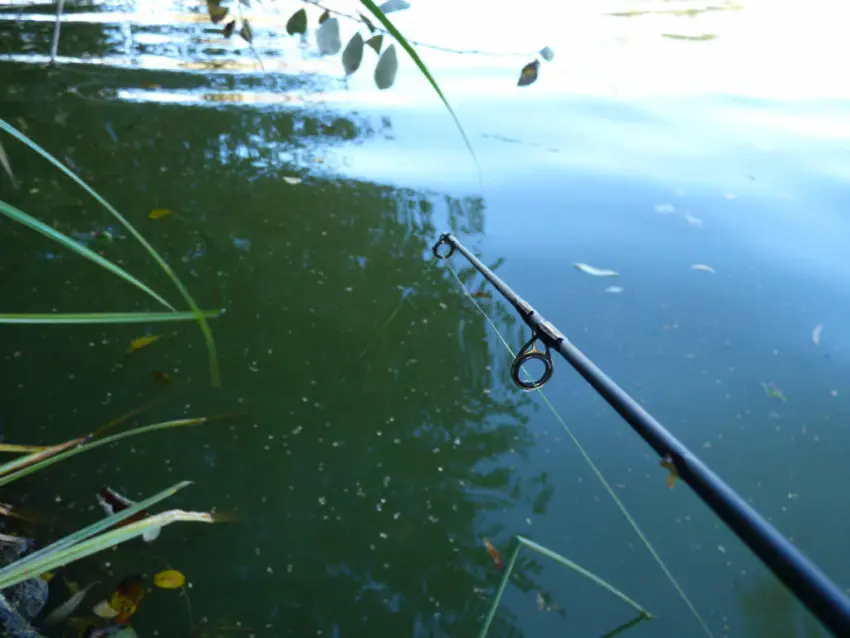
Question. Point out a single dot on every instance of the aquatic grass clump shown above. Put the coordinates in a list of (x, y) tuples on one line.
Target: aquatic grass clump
[(86, 541), (31, 222)]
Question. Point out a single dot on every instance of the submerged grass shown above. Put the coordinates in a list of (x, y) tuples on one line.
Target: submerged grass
[(86, 541), (521, 542), (19, 468), (29, 221)]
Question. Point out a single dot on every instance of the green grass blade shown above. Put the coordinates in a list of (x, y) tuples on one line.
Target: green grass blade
[(103, 317), (87, 532), (389, 26), (506, 576), (85, 447), (98, 544), (202, 322), (31, 222), (566, 562)]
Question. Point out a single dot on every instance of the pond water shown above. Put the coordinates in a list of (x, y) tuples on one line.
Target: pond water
[(375, 437)]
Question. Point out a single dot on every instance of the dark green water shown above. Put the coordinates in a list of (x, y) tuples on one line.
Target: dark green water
[(380, 438)]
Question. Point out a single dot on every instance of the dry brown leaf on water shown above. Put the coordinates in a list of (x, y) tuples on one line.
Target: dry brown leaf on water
[(159, 213), (667, 464), (528, 75), (816, 333)]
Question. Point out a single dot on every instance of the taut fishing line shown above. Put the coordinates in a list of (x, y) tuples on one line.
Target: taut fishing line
[(590, 463)]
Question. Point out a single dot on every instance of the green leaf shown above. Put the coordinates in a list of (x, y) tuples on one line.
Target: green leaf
[(376, 41), (386, 69), (31, 222), (246, 32), (327, 37), (368, 23), (102, 317), (202, 322), (353, 54), (325, 16), (217, 12), (297, 23), (375, 11), (528, 75), (228, 28)]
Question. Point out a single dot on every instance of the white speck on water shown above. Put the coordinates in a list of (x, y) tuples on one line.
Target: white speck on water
[(349, 289), (256, 551), (457, 441), (269, 570), (665, 209), (322, 500), (436, 450), (384, 535), (528, 520), (58, 499), (614, 290), (396, 516), (304, 399), (443, 306), (722, 549), (439, 468), (379, 433)]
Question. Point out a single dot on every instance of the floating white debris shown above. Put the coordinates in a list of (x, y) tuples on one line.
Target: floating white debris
[(614, 290), (292, 181), (694, 221), (596, 272), (703, 268), (722, 549), (816, 333), (547, 54), (665, 209)]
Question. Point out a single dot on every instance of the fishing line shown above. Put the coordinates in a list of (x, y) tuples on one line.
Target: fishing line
[(592, 465)]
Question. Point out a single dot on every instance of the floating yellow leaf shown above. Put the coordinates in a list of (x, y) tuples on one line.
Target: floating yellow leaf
[(528, 73), (104, 610), (169, 579), (141, 342), (159, 213)]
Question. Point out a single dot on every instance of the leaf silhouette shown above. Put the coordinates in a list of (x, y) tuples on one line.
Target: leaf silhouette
[(324, 17), (376, 41), (386, 69), (368, 23), (394, 5), (217, 12), (547, 54), (246, 32), (327, 37), (228, 28), (297, 23), (353, 54), (529, 73)]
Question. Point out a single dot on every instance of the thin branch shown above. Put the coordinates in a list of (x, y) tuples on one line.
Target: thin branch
[(425, 45)]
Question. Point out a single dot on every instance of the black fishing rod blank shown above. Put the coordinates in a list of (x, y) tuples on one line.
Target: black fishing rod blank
[(808, 583)]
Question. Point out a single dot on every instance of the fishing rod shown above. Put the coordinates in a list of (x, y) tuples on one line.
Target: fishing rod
[(805, 579)]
